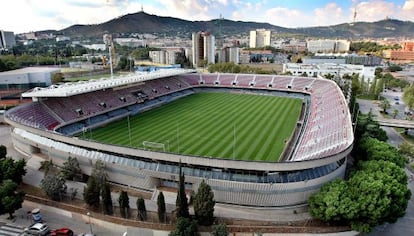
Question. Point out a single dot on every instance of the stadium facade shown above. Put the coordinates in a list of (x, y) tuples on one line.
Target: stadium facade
[(316, 153)]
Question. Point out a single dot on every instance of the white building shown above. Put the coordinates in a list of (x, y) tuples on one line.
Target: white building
[(328, 45), (7, 39), (96, 46), (27, 78), (259, 38), (320, 70), (204, 48), (62, 38), (130, 42), (343, 58), (234, 55)]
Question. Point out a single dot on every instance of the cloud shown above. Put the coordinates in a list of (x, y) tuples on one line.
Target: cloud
[(52, 14), (186, 9), (331, 13), (409, 6), (407, 11), (89, 3), (375, 10), (285, 17)]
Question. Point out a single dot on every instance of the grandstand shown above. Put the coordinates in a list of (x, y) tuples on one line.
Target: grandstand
[(315, 154)]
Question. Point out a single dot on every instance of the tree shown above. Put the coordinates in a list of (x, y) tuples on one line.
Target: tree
[(329, 76), (333, 202), (11, 169), (379, 150), (204, 204), (54, 187), (10, 199), (220, 230), (181, 202), (124, 204), (373, 86), (367, 127), (57, 78), (408, 96), (142, 210), (385, 104), (379, 87), (46, 166), (71, 169), (380, 189), (376, 193), (99, 172), (185, 227), (91, 192), (395, 113), (107, 199), (161, 207), (3, 152), (407, 150)]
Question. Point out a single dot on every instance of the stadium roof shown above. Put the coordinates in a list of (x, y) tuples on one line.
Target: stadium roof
[(70, 89)]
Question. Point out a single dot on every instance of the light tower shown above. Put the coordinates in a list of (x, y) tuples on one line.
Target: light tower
[(111, 50)]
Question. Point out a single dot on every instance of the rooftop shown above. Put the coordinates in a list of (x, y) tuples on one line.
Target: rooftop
[(37, 69), (70, 89)]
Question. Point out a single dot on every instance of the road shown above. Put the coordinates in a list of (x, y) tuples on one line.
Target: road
[(391, 97)]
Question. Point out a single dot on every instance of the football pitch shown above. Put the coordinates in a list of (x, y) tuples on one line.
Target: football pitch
[(219, 125)]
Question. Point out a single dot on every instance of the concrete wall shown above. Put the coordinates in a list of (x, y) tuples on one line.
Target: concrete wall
[(234, 192)]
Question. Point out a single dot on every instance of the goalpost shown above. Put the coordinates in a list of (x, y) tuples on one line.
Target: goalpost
[(153, 146)]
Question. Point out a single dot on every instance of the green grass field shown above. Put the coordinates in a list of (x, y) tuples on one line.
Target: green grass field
[(222, 125)]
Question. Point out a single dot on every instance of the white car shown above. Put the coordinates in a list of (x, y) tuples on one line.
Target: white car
[(39, 229)]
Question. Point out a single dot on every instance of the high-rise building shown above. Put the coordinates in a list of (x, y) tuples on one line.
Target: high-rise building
[(166, 55), (7, 39), (203, 48), (229, 54), (259, 38)]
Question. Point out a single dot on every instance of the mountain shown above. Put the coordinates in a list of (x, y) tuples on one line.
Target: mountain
[(142, 22), (380, 29)]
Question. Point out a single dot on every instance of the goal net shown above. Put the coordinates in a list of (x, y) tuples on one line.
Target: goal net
[(153, 146)]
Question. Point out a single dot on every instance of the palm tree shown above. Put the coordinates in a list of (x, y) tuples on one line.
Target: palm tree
[(385, 104), (395, 113)]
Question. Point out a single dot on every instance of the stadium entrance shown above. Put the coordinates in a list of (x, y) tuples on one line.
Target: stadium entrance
[(174, 184)]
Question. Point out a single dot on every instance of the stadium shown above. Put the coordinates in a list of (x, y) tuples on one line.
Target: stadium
[(259, 141)]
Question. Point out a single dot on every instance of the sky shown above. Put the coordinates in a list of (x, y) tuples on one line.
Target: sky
[(22, 16)]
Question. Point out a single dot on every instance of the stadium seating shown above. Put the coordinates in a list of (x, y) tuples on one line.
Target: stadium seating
[(325, 132), (210, 79), (245, 80), (35, 115), (262, 81), (226, 79)]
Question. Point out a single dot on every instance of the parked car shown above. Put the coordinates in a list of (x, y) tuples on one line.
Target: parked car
[(62, 232), (39, 229)]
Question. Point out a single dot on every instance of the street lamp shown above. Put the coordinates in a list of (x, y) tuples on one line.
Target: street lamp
[(90, 225)]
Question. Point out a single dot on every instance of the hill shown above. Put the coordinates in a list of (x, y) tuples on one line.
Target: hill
[(142, 22)]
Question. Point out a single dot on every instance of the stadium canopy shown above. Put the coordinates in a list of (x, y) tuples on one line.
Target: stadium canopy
[(80, 87)]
